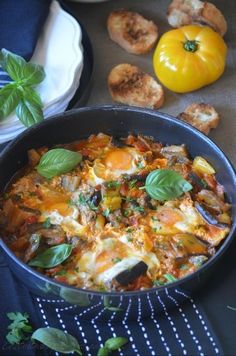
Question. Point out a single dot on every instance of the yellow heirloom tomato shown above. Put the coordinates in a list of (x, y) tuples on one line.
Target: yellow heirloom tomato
[(189, 58)]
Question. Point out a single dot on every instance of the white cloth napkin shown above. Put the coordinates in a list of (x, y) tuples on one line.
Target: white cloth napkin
[(59, 50)]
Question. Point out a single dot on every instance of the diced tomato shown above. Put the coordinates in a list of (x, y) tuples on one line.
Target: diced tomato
[(31, 219)]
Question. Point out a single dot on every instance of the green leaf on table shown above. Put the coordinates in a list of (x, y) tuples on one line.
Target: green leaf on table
[(20, 70), (108, 306), (58, 161), (10, 96), (165, 184), (57, 340), (112, 344), (103, 351), (29, 113), (19, 328), (52, 257), (115, 343)]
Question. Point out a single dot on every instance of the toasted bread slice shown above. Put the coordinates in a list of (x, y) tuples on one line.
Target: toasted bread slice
[(129, 85), (132, 31), (186, 12), (202, 116)]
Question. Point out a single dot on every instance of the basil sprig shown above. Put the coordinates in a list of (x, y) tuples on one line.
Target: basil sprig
[(112, 344), (58, 161), (57, 340), (20, 95), (52, 257), (165, 184)]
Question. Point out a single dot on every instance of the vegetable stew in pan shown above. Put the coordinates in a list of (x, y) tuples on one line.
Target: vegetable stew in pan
[(108, 213)]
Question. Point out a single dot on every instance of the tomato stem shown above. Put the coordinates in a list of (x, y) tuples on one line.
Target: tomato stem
[(191, 45)]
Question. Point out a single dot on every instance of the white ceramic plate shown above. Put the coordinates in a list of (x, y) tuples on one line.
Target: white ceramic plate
[(59, 51)]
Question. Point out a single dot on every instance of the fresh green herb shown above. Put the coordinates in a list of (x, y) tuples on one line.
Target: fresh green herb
[(129, 238), (116, 259), (115, 343), (103, 351), (52, 257), (113, 184), (170, 278), (165, 184), (82, 199), (126, 212), (112, 344), (62, 272), (108, 306), (92, 206), (140, 164), (204, 183), (139, 209), (19, 328), (129, 229), (183, 267), (57, 340), (158, 283), (47, 223), (106, 213), (20, 95), (132, 183), (58, 161)]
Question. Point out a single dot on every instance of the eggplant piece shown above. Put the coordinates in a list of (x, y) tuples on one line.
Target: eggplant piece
[(129, 275), (54, 235), (138, 177), (197, 181), (34, 245), (96, 198), (208, 217), (117, 142)]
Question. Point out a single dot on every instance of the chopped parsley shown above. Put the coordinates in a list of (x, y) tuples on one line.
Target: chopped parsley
[(116, 259), (113, 184), (106, 212), (47, 223), (132, 183), (19, 328)]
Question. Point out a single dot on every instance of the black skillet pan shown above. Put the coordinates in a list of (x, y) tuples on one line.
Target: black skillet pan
[(117, 121)]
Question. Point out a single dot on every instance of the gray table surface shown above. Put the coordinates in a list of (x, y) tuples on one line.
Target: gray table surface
[(221, 291)]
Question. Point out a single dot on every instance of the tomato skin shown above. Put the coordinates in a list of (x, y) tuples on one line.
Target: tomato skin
[(182, 70)]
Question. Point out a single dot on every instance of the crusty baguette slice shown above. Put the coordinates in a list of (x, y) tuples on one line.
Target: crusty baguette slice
[(186, 12), (132, 31), (202, 116), (129, 85)]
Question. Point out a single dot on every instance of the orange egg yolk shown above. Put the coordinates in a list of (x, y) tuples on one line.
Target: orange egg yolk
[(119, 160)]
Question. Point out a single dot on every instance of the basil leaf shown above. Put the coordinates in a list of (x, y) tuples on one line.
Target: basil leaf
[(57, 340), (13, 64), (103, 351), (58, 161), (169, 277), (115, 343), (32, 74), (33, 96), (52, 257), (10, 97), (20, 70), (164, 184), (29, 113)]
